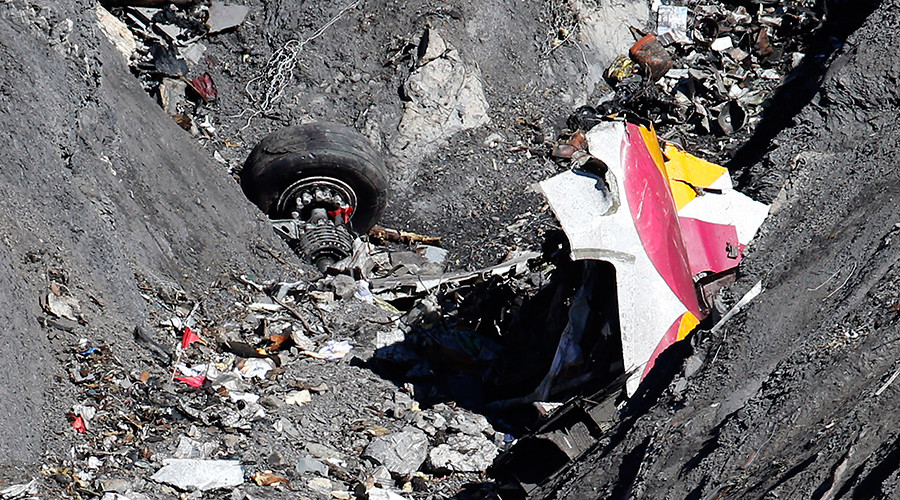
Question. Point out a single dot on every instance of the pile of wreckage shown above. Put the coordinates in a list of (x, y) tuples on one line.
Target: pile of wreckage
[(714, 66), (162, 42), (197, 413), (650, 233)]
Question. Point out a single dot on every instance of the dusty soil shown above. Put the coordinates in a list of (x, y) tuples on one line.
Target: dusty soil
[(108, 201), (103, 198)]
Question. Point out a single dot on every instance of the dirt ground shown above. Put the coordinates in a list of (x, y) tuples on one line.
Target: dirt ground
[(108, 202)]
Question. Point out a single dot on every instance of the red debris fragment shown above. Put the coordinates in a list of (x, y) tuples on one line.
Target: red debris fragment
[(346, 212), (189, 337), (78, 423), (195, 381), (204, 86)]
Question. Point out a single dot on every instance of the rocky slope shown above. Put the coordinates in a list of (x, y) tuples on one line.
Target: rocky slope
[(115, 219)]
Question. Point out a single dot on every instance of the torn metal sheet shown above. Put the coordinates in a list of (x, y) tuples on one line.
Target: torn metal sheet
[(662, 218), (418, 284), (225, 16)]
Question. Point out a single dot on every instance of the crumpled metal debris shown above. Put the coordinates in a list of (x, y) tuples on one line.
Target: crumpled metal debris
[(680, 222), (190, 448), (651, 56), (712, 62)]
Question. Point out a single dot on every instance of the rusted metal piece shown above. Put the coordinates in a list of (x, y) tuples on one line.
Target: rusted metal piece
[(651, 56), (385, 234), (567, 148)]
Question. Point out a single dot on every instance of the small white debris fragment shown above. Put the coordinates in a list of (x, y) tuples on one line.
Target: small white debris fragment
[(298, 398), (264, 307), (63, 306), (362, 292), (722, 44), (331, 351), (546, 407), (256, 367)]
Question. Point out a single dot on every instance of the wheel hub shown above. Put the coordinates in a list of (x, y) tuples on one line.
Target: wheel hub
[(310, 193)]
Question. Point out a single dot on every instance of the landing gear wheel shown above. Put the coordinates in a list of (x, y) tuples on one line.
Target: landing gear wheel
[(319, 165)]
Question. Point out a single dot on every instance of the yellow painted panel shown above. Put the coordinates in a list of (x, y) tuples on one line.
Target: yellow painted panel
[(649, 136), (682, 193), (681, 166), (688, 167), (688, 323)]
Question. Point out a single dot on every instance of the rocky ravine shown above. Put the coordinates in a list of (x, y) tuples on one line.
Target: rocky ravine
[(113, 218)]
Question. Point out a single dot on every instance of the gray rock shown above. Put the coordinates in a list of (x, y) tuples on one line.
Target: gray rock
[(344, 286), (321, 451), (382, 476), (116, 485), (320, 485), (401, 452), (446, 97), (469, 423), (203, 475), (271, 402), (309, 465), (462, 453), (224, 16), (189, 448), (275, 459), (402, 400), (692, 365), (603, 27)]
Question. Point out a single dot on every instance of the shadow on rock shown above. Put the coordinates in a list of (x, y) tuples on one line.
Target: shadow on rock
[(494, 341), (803, 83)]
